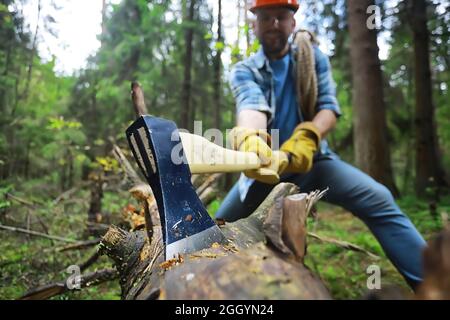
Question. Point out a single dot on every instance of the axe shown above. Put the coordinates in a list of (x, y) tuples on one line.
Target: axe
[(167, 158)]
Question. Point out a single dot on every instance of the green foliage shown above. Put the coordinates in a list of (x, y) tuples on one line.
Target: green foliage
[(4, 203), (27, 262), (219, 46), (253, 48), (26, 103), (213, 207), (107, 164), (344, 272)]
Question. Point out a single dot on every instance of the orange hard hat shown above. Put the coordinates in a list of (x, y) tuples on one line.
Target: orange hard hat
[(257, 4)]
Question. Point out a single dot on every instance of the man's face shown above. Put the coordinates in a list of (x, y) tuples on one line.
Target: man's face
[(273, 27)]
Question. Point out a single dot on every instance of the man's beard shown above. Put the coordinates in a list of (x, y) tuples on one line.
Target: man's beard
[(273, 42)]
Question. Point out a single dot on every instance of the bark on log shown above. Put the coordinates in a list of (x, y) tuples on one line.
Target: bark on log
[(250, 266)]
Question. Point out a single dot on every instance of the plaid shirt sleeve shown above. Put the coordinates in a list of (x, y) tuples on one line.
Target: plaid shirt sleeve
[(326, 97), (247, 93)]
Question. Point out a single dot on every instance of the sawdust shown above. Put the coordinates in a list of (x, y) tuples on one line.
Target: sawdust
[(145, 252), (166, 265), (134, 217), (231, 247), (207, 255), (216, 245), (220, 222)]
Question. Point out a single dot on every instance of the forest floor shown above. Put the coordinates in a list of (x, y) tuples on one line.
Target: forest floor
[(29, 261)]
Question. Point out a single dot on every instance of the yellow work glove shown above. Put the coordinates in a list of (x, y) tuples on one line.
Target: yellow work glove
[(270, 174), (252, 140), (258, 141), (302, 146), (279, 162)]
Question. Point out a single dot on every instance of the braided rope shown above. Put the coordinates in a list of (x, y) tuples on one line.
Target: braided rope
[(306, 81)]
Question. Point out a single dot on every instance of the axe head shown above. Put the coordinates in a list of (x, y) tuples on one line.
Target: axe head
[(157, 148)]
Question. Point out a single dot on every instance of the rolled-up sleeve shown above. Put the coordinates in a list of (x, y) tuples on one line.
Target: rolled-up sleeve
[(247, 93), (326, 97)]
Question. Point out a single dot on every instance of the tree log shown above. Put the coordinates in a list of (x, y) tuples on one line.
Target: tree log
[(249, 266)]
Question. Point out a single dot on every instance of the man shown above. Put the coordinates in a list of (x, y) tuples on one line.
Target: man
[(264, 88)]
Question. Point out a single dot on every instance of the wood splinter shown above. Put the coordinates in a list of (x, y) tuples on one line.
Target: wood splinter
[(285, 225), (143, 194)]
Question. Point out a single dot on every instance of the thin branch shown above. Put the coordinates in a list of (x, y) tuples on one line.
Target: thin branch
[(53, 289), (20, 200), (126, 166), (66, 194), (137, 97), (344, 245), (211, 180), (35, 233), (80, 245), (90, 261)]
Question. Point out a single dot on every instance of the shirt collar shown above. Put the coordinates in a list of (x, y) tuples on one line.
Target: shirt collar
[(262, 61)]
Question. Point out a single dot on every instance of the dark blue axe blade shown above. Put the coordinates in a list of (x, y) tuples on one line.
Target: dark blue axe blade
[(186, 225)]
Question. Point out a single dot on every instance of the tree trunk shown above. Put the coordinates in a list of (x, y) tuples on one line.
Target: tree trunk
[(95, 204), (239, 8), (32, 54), (371, 146), (130, 64), (262, 260), (104, 8), (409, 152), (247, 29), (218, 70), (429, 170), (185, 121), (26, 170)]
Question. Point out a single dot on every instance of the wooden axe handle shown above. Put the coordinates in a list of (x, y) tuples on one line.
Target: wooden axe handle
[(203, 156)]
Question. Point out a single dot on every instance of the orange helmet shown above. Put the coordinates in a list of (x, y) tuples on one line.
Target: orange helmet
[(292, 4)]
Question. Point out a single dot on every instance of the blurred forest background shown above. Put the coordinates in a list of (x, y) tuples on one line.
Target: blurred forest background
[(57, 132)]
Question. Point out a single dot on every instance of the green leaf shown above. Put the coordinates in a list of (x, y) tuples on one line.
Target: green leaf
[(219, 46)]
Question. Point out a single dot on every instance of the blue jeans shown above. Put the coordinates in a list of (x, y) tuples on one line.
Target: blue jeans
[(358, 193)]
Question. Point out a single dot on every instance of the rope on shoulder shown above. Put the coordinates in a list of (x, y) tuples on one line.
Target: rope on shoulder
[(306, 82)]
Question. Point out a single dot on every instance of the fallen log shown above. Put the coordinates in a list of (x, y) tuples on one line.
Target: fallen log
[(263, 258)]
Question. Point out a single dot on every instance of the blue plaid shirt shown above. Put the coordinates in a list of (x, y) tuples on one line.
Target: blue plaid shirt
[(252, 84)]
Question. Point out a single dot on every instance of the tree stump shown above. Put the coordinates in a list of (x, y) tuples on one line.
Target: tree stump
[(263, 258)]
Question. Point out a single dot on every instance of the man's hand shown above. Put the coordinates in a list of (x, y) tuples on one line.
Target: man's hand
[(279, 162), (258, 141), (301, 146), (270, 174), (252, 140)]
